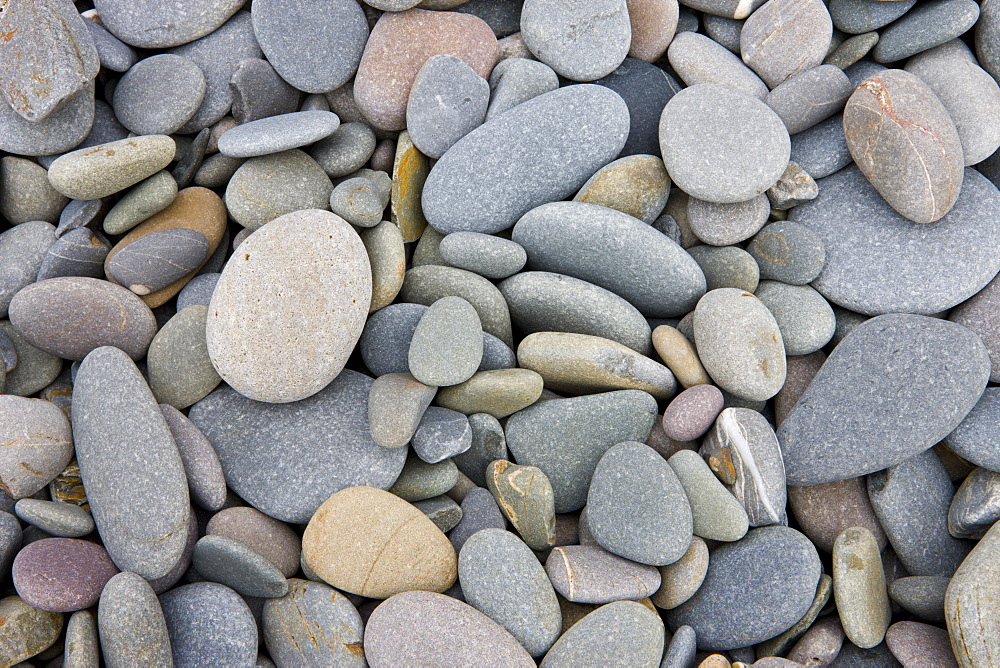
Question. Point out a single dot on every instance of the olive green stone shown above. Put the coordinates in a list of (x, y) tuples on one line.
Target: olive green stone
[(524, 495), (499, 393)]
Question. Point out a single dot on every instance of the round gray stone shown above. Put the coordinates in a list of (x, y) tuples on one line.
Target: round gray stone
[(717, 514), (788, 252), (447, 343), (346, 151), (517, 80), (441, 434), (209, 623), (62, 131), (581, 41), (926, 26), (57, 519), (25, 192), (360, 201), (144, 200), (429, 283), (269, 186), (277, 133), (726, 224), (313, 624), (447, 101), (152, 25), (804, 318), (159, 94)]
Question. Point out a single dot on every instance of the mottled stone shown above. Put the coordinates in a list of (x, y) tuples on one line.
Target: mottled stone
[(61, 574), (785, 37), (209, 623), (201, 465), (524, 495), (793, 188), (442, 510), (726, 267), (409, 172), (970, 605), (429, 283), (825, 511), (589, 574), (313, 624), (26, 194), (37, 444), (681, 579), (105, 169), (859, 587), (27, 630), (623, 631)]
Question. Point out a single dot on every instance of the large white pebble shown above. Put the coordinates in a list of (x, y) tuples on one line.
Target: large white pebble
[(289, 307)]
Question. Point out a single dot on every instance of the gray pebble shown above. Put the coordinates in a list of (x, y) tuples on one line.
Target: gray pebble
[(479, 511), (197, 291), (810, 97), (681, 650), (234, 564), (975, 508), (209, 623), (717, 514), (56, 519), (144, 200), (622, 631), (25, 192), (62, 131), (131, 624), (179, 369), (313, 624), (426, 284), (359, 201), (852, 50), (726, 224), (517, 80), (189, 164), (22, 253), (159, 94), (442, 510), (726, 267), (822, 149), (590, 574), (206, 483), (987, 39), (805, 319), (786, 37), (699, 59), (794, 187), (924, 27), (488, 444), (447, 344), (724, 30), (441, 434), (156, 260), (788, 252), (385, 340), (645, 89), (922, 595), (149, 24), (346, 151), (396, 404), (269, 186), (78, 213), (258, 92), (447, 101), (493, 257), (419, 480), (975, 438), (583, 41), (96, 172), (277, 133), (115, 54), (858, 16), (35, 368), (82, 642)]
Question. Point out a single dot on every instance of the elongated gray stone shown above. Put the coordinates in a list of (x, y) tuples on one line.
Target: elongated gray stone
[(152, 25), (591, 574), (810, 97), (926, 26), (699, 59), (906, 381), (159, 94), (113, 409), (226, 560), (99, 171), (209, 623), (131, 624), (540, 151), (717, 514), (623, 631), (156, 260), (277, 133), (79, 252)]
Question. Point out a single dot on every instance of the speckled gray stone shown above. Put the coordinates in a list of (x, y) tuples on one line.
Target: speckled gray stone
[(590, 574), (290, 478), (79, 252), (277, 133), (975, 507), (822, 149), (385, 341), (131, 624), (156, 260), (447, 101), (147, 539), (96, 172), (810, 97), (582, 42), (975, 438), (62, 131), (717, 514), (149, 24), (396, 404), (785, 37), (35, 368), (313, 624), (698, 59), (346, 150), (441, 434), (804, 318), (521, 160), (10, 539), (566, 438), (447, 343), (159, 94), (623, 631), (266, 187), (22, 253), (360, 201), (201, 465), (228, 561), (859, 587), (726, 267), (198, 291), (25, 192), (904, 407), (57, 519), (922, 595), (517, 80), (258, 92), (501, 577), (934, 266), (858, 16), (145, 199), (726, 224), (179, 369), (755, 589), (680, 652), (788, 252), (709, 156), (479, 511), (926, 26), (209, 623), (493, 257), (115, 55), (610, 249)]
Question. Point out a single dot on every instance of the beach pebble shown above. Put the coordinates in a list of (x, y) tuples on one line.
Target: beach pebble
[(156, 260), (692, 412), (493, 257), (257, 93), (105, 169), (913, 643), (805, 320), (859, 587), (969, 604), (360, 201), (347, 150), (517, 80), (441, 434), (447, 343), (61, 574), (622, 631), (62, 131), (698, 59), (201, 465), (793, 188), (57, 519), (479, 511), (209, 623), (277, 133), (822, 149), (924, 27), (267, 187), (228, 561), (645, 89), (312, 624), (724, 224), (396, 404), (810, 97), (524, 496), (150, 25), (716, 513), (785, 37), (825, 511), (788, 252), (582, 42), (26, 194), (178, 366), (429, 283), (726, 267), (442, 510), (974, 507), (79, 252), (144, 200), (589, 574), (448, 100), (27, 631), (159, 94), (681, 579)]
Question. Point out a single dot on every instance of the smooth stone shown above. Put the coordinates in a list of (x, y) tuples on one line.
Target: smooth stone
[(357, 543), (637, 507), (883, 431), (257, 93), (179, 369), (270, 538), (501, 577), (924, 27), (726, 267), (228, 561), (385, 340), (916, 644), (498, 392), (156, 260), (82, 642), (517, 80), (410, 169), (441, 433), (61, 574), (568, 458), (974, 508), (26, 194), (733, 9), (788, 252), (724, 224), (198, 291), (852, 50), (23, 249), (623, 631), (645, 89), (159, 94), (859, 587), (71, 316), (206, 483), (981, 314), (400, 44), (782, 643), (312, 625), (520, 164), (419, 480), (442, 510), (245, 342), (911, 501), (27, 630), (681, 579), (810, 97), (972, 617), (580, 42), (679, 355), (429, 283), (724, 30), (479, 511), (35, 369), (489, 256), (858, 16), (922, 595), (447, 344), (969, 94), (79, 252), (699, 59), (681, 650), (396, 404), (755, 589), (277, 133), (10, 537), (734, 169), (739, 343), (717, 514), (346, 151), (427, 628), (822, 149), (574, 238), (589, 574), (359, 201), (580, 363), (524, 496), (62, 131), (292, 476), (825, 511), (784, 38), (935, 266), (448, 99), (805, 319), (916, 165), (488, 444), (209, 623), (975, 438), (820, 644), (267, 187), (152, 26), (105, 169), (57, 519), (316, 49), (637, 185), (144, 200)]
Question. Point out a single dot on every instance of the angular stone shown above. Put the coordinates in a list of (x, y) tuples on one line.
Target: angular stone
[(441, 434), (313, 624), (257, 93), (27, 630)]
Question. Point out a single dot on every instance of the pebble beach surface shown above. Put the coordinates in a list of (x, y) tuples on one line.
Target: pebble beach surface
[(659, 333)]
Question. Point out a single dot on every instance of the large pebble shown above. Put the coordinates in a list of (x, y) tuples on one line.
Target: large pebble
[(699, 59), (590, 574), (859, 587), (487, 255), (37, 444), (711, 157), (62, 131), (497, 392), (27, 630), (725, 224), (520, 162), (580, 41), (156, 260), (980, 314), (429, 283), (785, 37), (970, 605), (131, 624), (61, 574), (266, 535), (159, 94), (105, 169), (517, 80), (370, 542), (447, 344), (447, 101), (277, 133), (810, 97), (636, 184), (313, 625), (152, 25), (179, 369), (26, 194), (906, 380), (822, 149), (209, 623), (266, 187), (926, 26), (622, 632)]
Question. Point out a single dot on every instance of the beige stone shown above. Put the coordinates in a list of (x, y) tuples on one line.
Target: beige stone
[(637, 185), (387, 256), (653, 25), (102, 170), (26, 631), (500, 392), (369, 542), (681, 579), (971, 607), (679, 356), (859, 587), (396, 403)]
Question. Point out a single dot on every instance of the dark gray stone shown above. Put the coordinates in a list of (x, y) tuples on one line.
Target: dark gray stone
[(209, 623), (277, 133), (228, 561), (10, 540), (78, 213), (623, 632), (488, 444), (975, 438), (724, 30), (858, 16), (131, 624), (922, 595), (23, 249), (441, 434), (924, 27), (156, 260), (479, 511), (539, 151), (810, 97), (313, 624), (385, 341), (926, 268), (785, 37), (496, 354), (272, 456), (159, 94), (448, 100), (755, 589), (976, 505), (442, 510), (822, 149), (645, 88), (197, 291), (699, 59), (206, 482), (258, 92), (188, 165), (911, 501), (680, 653)]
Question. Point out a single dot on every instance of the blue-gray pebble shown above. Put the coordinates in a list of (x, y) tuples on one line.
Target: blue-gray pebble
[(448, 100), (159, 94), (209, 624), (646, 89), (277, 133), (228, 561), (484, 254)]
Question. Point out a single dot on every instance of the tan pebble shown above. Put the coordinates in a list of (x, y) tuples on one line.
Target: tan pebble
[(499, 393), (387, 256), (679, 356), (682, 578)]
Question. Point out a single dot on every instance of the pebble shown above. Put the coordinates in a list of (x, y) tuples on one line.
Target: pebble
[(267, 187), (277, 133), (62, 131), (681, 650), (925, 27), (447, 343), (805, 319), (725, 224), (568, 460), (637, 185), (400, 44), (679, 355), (645, 88), (574, 238), (734, 169), (10, 538), (131, 623), (35, 368), (681, 579), (426, 284), (156, 260), (258, 93), (265, 535), (144, 200), (78, 252), (691, 413), (209, 623), (448, 100), (201, 465), (622, 631), (23, 249), (781, 644), (179, 369), (859, 16), (884, 430), (198, 291), (524, 496), (105, 169), (228, 561), (589, 574), (852, 50), (755, 589), (159, 94), (57, 519), (914, 643), (501, 578), (35, 198), (820, 644), (396, 404), (859, 587), (969, 607), (427, 628), (517, 80), (973, 507), (498, 392), (786, 37), (27, 630), (974, 438), (825, 511), (38, 444), (441, 434), (698, 59), (922, 595), (788, 252), (82, 642), (61, 574), (442, 510), (385, 340), (726, 267), (978, 314), (822, 149), (347, 150), (793, 188), (312, 624), (151, 26), (489, 256), (410, 169), (479, 511), (580, 42), (716, 513), (359, 201)]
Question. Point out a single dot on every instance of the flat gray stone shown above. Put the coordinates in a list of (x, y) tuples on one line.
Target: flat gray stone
[(360, 200), (346, 151), (699, 59), (60, 132), (209, 623), (143, 534), (785, 38), (447, 101), (179, 369), (266, 187), (906, 380), (716, 513), (396, 404), (149, 24), (144, 200), (681, 651), (591, 574), (788, 252), (540, 151), (419, 480), (479, 511), (713, 158), (934, 266), (447, 344), (290, 477), (23, 249), (441, 434), (493, 257), (258, 92), (858, 16), (924, 27), (622, 631), (57, 519), (114, 54), (822, 149), (810, 97), (79, 252), (201, 465), (313, 624), (228, 561), (581, 41), (277, 133), (385, 341), (726, 224), (805, 320), (159, 94), (25, 192), (131, 624), (442, 510), (922, 595), (517, 80), (726, 267), (156, 260)]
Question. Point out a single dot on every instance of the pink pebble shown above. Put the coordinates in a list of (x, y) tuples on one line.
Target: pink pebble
[(692, 412)]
